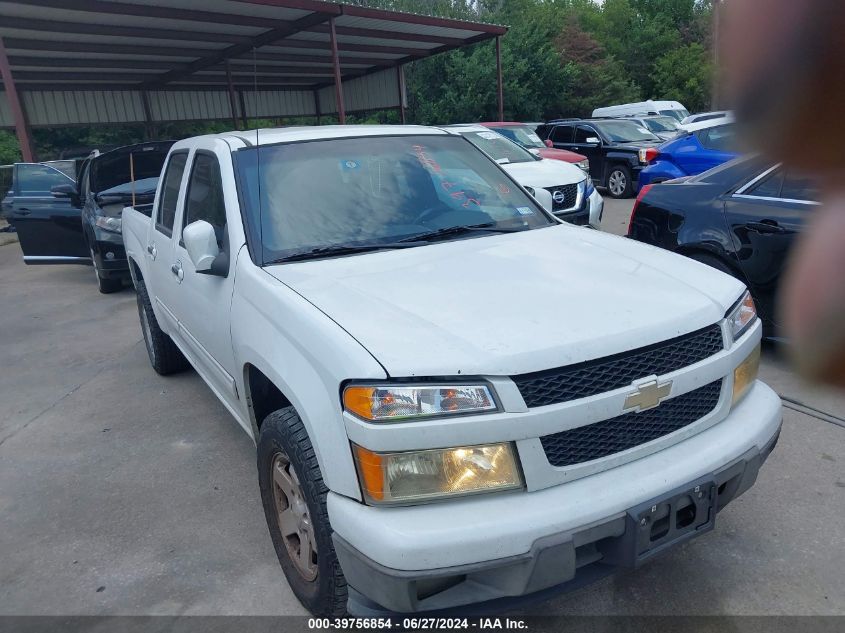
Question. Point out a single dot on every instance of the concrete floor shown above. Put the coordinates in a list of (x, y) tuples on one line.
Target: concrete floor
[(122, 492)]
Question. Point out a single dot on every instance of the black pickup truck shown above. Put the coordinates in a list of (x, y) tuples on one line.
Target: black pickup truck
[(614, 147)]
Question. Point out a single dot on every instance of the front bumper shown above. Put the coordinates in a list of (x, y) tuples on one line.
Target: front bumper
[(525, 546), (110, 254)]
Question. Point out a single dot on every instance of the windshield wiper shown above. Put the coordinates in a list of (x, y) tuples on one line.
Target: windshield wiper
[(349, 249), (489, 227)]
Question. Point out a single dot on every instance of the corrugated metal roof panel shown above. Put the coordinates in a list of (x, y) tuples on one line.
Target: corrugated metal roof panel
[(5, 112), (273, 103), (72, 107), (371, 92), (189, 105)]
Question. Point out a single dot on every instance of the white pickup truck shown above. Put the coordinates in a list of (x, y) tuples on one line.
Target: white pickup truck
[(456, 398)]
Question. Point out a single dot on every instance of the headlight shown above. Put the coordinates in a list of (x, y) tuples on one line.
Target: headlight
[(642, 156), (745, 374), (742, 315), (388, 403), (446, 472), (584, 164), (109, 224)]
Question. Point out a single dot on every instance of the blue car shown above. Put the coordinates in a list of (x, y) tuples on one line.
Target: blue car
[(708, 144)]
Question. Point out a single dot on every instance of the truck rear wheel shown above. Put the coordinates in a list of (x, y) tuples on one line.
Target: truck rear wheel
[(294, 498), (165, 357)]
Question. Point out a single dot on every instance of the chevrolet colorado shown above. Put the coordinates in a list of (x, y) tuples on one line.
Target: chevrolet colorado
[(456, 398)]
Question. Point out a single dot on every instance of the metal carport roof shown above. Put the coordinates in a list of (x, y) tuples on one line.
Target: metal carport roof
[(71, 62)]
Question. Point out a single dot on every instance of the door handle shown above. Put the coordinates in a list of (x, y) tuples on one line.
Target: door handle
[(765, 227), (177, 271), (151, 249)]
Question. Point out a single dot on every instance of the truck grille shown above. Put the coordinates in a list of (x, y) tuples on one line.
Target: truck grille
[(563, 197), (625, 431), (562, 384)]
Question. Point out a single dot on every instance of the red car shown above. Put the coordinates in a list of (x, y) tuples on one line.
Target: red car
[(523, 134)]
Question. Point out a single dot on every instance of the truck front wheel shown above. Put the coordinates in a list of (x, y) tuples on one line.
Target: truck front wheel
[(294, 498), (165, 357)]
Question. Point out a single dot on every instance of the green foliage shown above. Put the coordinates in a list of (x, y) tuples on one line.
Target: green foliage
[(685, 75), (9, 150)]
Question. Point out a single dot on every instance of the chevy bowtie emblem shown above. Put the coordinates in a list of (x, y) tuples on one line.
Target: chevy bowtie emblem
[(648, 395)]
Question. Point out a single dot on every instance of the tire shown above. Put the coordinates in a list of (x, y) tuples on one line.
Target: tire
[(164, 356), (105, 285), (286, 462), (619, 182)]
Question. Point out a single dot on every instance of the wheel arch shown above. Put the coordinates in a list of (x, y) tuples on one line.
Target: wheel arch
[(689, 250), (262, 396)]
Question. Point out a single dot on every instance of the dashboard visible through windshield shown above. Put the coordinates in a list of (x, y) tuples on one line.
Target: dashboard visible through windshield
[(330, 197)]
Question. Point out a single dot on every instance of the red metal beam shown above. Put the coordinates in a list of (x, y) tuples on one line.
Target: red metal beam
[(499, 89), (388, 35), (425, 20), (96, 47), (268, 37), (400, 79), (88, 28), (231, 89), (338, 87), (15, 104), (147, 10)]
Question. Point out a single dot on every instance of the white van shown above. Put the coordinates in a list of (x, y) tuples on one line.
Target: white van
[(670, 108)]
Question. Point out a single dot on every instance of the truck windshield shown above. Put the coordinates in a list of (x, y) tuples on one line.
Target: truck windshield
[(521, 135), (330, 197)]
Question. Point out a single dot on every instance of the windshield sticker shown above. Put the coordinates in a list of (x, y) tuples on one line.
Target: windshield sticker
[(524, 211), (643, 130), (432, 165), (490, 136), (349, 164), (534, 137)]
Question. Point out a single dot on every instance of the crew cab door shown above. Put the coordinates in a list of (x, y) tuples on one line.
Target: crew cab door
[(764, 217), (202, 301), (49, 228), (587, 141)]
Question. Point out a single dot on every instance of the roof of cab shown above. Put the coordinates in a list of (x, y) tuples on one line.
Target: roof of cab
[(272, 136)]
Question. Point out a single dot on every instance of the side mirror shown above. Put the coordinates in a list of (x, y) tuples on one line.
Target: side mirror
[(544, 198), (593, 140), (62, 191), (201, 244), (65, 190), (549, 143)]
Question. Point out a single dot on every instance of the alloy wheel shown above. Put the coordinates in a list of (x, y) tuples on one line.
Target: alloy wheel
[(616, 182), (295, 526)]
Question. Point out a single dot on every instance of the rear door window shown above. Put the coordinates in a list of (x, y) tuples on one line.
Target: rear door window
[(799, 187), (562, 134), (719, 139), (170, 193), (770, 186)]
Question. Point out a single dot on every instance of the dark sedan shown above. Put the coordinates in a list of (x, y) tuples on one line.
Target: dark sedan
[(741, 218)]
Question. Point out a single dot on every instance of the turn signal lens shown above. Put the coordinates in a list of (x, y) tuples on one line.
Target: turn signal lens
[(742, 316), (386, 403), (416, 476), (745, 374)]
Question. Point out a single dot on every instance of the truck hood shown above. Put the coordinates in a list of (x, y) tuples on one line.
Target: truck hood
[(544, 173), (511, 303)]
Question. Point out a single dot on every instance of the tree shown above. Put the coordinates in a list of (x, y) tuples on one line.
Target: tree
[(9, 150), (685, 75)]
